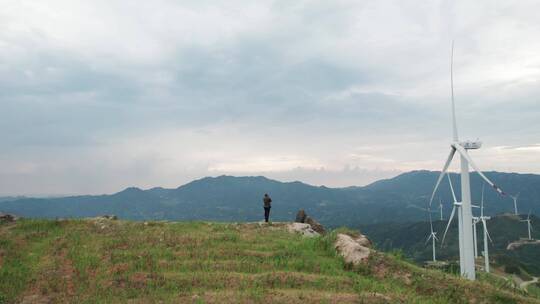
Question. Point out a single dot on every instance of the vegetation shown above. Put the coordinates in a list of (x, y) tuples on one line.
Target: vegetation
[(108, 261), (410, 239)]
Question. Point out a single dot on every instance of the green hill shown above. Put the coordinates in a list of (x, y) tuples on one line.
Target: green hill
[(504, 229), (106, 261)]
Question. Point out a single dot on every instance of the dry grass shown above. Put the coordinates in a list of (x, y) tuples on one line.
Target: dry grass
[(104, 261)]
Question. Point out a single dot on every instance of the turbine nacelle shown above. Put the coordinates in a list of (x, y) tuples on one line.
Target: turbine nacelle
[(470, 144)]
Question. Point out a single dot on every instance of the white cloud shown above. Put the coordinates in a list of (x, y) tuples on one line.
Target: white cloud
[(106, 94)]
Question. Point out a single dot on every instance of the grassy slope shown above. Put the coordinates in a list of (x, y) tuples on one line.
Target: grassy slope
[(88, 261)]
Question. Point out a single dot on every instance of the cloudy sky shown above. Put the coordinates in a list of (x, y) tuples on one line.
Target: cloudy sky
[(99, 95)]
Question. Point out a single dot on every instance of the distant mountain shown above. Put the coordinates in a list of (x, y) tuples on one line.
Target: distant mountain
[(416, 186), (503, 229), (10, 198), (228, 198)]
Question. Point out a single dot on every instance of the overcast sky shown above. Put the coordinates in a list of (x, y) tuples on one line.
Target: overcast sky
[(96, 96)]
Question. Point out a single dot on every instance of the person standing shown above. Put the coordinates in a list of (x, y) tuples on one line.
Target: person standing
[(267, 205)]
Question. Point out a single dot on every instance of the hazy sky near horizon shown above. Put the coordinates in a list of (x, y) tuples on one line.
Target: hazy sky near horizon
[(96, 96)]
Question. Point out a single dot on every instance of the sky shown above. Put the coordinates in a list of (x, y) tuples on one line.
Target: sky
[(97, 96)]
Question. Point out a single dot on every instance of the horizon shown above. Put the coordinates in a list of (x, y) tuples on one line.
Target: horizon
[(59, 195), (334, 94)]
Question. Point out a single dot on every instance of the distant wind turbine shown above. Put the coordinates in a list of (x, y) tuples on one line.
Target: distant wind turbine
[(483, 219), (515, 198), (466, 252), (433, 237), (529, 227), (475, 220)]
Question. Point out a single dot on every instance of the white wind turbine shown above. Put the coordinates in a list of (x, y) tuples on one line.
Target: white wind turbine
[(529, 227), (466, 252), (483, 219), (433, 237), (515, 198)]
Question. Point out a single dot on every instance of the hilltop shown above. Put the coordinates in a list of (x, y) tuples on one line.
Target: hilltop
[(228, 198), (113, 261)]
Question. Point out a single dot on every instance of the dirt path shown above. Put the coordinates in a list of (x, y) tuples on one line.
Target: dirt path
[(523, 285)]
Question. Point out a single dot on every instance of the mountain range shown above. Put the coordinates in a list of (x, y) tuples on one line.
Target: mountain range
[(403, 198)]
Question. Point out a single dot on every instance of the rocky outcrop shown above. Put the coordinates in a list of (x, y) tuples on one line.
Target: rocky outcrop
[(109, 217), (315, 225), (302, 217), (6, 217), (354, 250), (104, 221), (302, 228)]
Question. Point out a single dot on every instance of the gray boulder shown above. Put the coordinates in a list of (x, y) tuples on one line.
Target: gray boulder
[(315, 225), (302, 217), (354, 250)]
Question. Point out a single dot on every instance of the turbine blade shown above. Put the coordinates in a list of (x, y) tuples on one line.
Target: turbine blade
[(489, 237), (486, 230), (482, 201), (430, 221), (427, 240), (464, 153), (448, 225), (452, 188), (454, 124), (443, 172)]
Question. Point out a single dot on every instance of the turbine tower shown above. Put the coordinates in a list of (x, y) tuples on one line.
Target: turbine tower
[(475, 220), (483, 219), (466, 252), (432, 236), (456, 206), (515, 198), (529, 227)]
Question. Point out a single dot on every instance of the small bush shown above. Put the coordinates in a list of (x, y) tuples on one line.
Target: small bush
[(512, 269)]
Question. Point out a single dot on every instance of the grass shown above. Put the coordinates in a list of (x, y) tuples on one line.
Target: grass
[(102, 261), (534, 290)]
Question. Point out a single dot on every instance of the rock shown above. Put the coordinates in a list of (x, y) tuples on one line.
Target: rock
[(302, 228), (315, 225), (354, 250), (301, 216), (109, 217), (6, 217)]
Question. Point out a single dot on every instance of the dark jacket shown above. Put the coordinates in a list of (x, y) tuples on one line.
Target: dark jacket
[(267, 200)]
